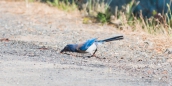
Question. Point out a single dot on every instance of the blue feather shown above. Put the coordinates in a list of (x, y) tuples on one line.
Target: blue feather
[(71, 47), (87, 44)]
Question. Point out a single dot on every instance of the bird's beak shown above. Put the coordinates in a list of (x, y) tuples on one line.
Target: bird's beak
[(62, 51)]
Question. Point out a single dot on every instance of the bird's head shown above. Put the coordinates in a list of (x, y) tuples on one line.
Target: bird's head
[(69, 48)]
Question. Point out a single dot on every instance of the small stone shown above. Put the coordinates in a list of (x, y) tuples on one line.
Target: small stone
[(168, 50), (148, 44), (139, 60), (164, 72)]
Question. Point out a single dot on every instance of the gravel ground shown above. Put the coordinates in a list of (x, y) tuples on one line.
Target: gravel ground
[(31, 38)]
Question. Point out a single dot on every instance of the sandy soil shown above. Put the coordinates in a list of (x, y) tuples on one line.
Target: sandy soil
[(32, 35)]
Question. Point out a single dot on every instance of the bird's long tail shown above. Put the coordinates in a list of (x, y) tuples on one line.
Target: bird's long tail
[(112, 39)]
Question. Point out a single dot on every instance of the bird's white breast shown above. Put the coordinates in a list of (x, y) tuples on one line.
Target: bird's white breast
[(92, 48)]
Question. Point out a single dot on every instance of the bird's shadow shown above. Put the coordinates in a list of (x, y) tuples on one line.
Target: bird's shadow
[(73, 54), (83, 56)]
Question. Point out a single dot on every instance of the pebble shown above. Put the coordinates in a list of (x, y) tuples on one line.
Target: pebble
[(168, 50)]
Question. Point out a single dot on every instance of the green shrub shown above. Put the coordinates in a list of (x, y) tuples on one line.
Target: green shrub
[(63, 4)]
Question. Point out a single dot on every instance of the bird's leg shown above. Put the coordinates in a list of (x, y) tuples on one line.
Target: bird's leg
[(94, 53)]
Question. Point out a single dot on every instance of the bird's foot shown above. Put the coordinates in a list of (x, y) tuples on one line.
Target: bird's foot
[(93, 55)]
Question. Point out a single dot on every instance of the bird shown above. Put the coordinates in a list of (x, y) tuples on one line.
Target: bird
[(90, 46)]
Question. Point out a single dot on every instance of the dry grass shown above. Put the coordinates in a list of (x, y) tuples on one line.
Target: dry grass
[(157, 24), (152, 25)]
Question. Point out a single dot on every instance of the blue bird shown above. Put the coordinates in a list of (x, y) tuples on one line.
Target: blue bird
[(90, 46)]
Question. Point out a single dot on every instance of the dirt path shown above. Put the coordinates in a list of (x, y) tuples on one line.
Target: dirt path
[(34, 73), (138, 60)]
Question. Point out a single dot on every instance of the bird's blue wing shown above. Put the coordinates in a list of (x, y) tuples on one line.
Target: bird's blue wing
[(87, 44)]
